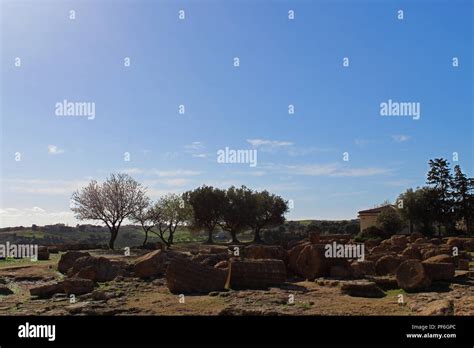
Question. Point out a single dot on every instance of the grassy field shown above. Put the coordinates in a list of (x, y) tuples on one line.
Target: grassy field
[(128, 236), (11, 262)]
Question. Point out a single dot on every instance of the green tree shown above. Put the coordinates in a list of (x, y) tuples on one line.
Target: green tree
[(268, 210), (237, 211), (313, 226), (463, 195), (439, 176), (293, 227), (417, 208), (208, 204), (351, 228), (168, 213), (390, 222)]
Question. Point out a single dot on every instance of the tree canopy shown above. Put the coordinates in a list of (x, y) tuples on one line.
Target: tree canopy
[(113, 201)]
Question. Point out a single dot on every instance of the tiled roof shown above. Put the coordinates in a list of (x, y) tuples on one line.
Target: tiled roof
[(376, 210)]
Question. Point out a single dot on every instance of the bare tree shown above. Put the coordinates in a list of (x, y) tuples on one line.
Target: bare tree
[(145, 217), (113, 201)]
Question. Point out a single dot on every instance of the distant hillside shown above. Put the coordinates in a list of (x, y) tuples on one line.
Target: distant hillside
[(131, 235), (328, 226)]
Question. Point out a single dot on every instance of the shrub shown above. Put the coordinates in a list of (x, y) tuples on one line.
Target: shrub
[(371, 233), (390, 222)]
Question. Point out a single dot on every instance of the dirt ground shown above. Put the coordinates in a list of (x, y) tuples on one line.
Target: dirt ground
[(133, 296)]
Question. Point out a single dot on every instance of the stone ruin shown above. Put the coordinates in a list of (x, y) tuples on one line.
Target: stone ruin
[(412, 263)]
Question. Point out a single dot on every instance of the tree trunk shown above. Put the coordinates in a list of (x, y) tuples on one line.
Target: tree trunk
[(448, 227), (209, 238), (234, 237), (257, 238), (162, 237), (146, 237), (113, 237)]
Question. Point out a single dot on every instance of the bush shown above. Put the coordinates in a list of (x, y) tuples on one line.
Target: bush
[(273, 236), (371, 233), (390, 222), (279, 236), (351, 229), (313, 227)]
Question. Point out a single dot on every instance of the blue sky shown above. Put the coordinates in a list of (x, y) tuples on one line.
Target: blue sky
[(190, 62)]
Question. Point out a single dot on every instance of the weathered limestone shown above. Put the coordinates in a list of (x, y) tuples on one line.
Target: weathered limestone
[(255, 274)]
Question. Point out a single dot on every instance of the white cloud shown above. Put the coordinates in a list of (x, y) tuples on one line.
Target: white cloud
[(257, 173), (37, 210), (8, 211), (194, 146), (20, 212), (362, 142), (347, 194), (336, 170), (54, 150), (288, 147), (251, 172), (358, 172), (196, 149), (305, 151), (45, 187), (174, 173), (170, 155), (131, 171), (401, 138), (159, 173), (282, 187), (313, 169), (177, 182), (155, 193), (400, 183), (34, 215), (268, 143)]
